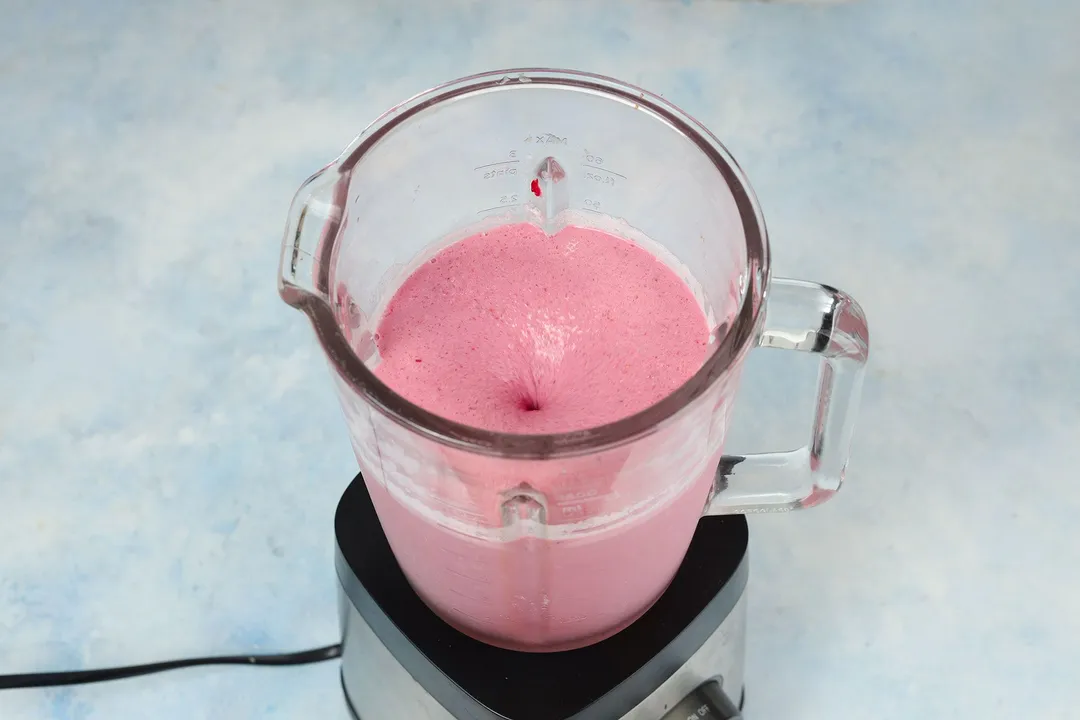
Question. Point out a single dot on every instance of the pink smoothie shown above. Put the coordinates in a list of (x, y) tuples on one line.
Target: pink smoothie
[(515, 331), (518, 332)]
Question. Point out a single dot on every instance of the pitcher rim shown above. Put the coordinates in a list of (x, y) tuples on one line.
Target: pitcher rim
[(729, 350)]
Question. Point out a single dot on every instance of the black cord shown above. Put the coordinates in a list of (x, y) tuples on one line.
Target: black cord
[(80, 677)]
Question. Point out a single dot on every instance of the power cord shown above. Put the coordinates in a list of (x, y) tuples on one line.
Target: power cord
[(81, 677)]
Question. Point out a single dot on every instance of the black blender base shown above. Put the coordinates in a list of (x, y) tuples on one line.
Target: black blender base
[(678, 652), (356, 716)]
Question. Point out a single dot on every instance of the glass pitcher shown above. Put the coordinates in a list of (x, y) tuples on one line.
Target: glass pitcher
[(551, 542)]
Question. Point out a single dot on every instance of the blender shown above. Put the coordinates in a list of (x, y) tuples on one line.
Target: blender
[(594, 574)]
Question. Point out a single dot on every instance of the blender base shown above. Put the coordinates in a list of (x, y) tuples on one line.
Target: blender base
[(683, 658), (356, 716)]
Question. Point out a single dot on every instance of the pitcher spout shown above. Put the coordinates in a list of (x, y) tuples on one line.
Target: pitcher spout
[(315, 218)]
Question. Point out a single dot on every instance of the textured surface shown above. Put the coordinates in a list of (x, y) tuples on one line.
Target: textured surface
[(514, 331), (171, 451)]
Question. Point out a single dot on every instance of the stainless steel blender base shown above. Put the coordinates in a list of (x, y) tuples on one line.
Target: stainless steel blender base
[(683, 658), (377, 686)]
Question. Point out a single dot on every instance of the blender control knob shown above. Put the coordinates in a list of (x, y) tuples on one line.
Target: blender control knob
[(707, 702)]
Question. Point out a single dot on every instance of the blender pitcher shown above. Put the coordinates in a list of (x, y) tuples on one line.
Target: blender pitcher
[(551, 542)]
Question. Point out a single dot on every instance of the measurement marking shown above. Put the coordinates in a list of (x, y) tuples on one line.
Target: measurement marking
[(477, 618), (497, 207), (501, 162), (572, 619), (462, 575), (466, 596), (596, 167), (592, 211)]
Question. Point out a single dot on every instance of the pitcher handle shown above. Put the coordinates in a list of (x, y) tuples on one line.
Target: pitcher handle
[(818, 319)]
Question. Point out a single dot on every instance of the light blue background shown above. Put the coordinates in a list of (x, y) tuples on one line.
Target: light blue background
[(171, 452)]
